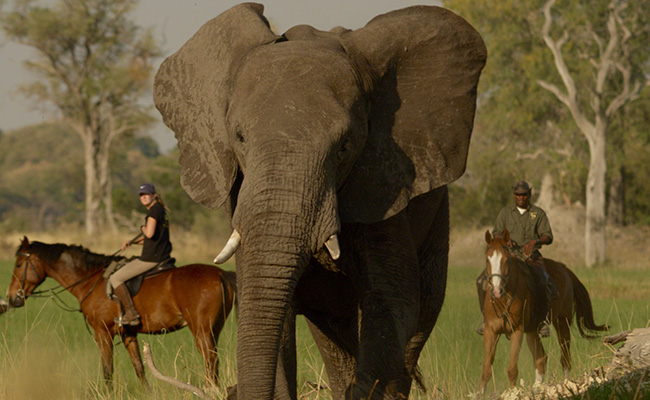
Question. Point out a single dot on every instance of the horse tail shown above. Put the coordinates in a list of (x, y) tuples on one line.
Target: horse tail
[(584, 309), (229, 288)]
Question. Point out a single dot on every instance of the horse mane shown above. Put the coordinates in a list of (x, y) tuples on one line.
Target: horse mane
[(51, 253)]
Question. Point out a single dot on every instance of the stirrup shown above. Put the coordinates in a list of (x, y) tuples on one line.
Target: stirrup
[(481, 328), (133, 322)]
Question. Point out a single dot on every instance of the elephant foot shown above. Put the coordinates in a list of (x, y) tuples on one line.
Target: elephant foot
[(374, 390), (231, 393)]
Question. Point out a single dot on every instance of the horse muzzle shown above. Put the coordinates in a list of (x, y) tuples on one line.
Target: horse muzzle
[(18, 300), (497, 292)]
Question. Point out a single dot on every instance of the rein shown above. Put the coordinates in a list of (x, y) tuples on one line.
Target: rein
[(54, 292), (57, 290)]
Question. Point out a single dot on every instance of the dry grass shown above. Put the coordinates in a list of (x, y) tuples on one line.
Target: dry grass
[(44, 347)]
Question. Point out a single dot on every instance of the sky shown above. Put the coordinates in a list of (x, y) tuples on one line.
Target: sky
[(173, 23)]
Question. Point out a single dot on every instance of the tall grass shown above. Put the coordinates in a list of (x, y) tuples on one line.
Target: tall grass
[(48, 353)]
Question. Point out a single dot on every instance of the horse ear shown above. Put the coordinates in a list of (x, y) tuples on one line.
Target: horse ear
[(506, 236), (25, 242), (488, 237)]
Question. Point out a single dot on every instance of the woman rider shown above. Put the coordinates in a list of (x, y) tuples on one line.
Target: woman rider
[(156, 248)]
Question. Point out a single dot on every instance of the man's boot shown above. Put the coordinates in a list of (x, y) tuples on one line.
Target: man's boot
[(131, 316), (544, 329)]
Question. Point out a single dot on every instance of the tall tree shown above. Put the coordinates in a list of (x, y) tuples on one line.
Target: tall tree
[(591, 56), (607, 41), (94, 65)]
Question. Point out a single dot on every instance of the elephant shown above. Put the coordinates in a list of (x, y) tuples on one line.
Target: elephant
[(330, 152)]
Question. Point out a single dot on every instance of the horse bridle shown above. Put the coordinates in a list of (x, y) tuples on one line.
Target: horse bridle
[(504, 310), (21, 292)]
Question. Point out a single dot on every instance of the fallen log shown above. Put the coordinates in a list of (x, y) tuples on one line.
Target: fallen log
[(635, 353), (148, 360)]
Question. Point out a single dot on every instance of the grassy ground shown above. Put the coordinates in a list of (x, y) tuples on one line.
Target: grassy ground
[(48, 353)]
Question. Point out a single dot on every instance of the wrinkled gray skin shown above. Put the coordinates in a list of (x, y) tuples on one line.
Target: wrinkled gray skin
[(315, 133)]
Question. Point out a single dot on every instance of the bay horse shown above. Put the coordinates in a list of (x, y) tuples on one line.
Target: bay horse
[(509, 303), (198, 296)]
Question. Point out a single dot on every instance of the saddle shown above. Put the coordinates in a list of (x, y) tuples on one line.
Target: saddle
[(134, 284)]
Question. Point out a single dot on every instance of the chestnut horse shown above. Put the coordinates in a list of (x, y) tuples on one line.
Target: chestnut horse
[(508, 309), (198, 296)]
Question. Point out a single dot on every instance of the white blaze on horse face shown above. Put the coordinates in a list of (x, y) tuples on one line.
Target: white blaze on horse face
[(495, 266)]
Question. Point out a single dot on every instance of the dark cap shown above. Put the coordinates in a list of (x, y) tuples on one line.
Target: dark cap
[(521, 187), (146, 188)]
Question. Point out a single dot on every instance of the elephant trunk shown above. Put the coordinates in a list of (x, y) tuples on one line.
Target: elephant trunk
[(265, 293), (280, 229)]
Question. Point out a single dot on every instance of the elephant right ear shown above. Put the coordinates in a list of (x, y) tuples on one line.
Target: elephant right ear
[(191, 92)]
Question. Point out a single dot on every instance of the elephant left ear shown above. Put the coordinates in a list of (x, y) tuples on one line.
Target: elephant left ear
[(191, 91), (427, 62)]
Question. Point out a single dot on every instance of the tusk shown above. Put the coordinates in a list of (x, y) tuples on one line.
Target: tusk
[(332, 245), (229, 249)]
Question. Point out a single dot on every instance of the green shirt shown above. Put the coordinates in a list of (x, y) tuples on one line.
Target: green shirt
[(530, 225)]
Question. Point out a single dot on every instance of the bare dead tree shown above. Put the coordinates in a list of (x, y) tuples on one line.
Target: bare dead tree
[(613, 58)]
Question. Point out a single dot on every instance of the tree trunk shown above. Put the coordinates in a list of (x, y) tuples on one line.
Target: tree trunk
[(93, 201), (106, 185), (595, 241)]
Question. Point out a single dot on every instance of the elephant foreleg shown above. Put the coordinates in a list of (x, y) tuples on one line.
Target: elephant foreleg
[(390, 307), (433, 259), (336, 342)]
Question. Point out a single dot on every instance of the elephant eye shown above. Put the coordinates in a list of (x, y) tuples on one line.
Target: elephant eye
[(239, 136), (344, 149)]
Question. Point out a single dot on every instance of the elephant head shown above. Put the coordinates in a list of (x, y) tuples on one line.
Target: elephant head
[(301, 133)]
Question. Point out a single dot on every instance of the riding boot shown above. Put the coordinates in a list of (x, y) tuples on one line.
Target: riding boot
[(551, 289), (544, 329), (130, 316)]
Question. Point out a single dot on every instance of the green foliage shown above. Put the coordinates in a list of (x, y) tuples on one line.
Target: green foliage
[(42, 182), (94, 65), (41, 177)]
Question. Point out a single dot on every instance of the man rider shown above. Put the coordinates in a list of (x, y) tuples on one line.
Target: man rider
[(529, 229)]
